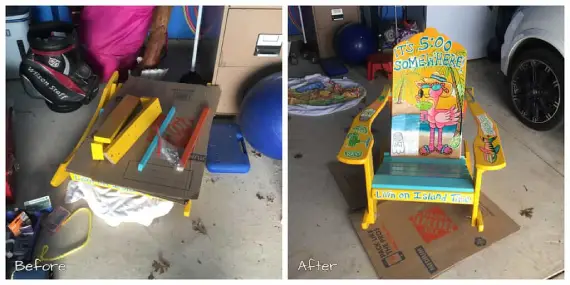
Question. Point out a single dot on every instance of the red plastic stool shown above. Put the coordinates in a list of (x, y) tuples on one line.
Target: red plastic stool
[(379, 62)]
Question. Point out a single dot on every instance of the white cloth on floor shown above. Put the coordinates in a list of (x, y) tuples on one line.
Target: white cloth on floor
[(116, 207), (310, 110)]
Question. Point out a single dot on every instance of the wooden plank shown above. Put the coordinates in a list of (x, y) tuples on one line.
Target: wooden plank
[(97, 151), (154, 143), (116, 119), (136, 128), (193, 139)]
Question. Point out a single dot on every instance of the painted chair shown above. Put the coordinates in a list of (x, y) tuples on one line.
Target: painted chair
[(428, 160)]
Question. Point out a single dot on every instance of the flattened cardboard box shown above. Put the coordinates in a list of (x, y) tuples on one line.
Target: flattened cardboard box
[(158, 178), (422, 240)]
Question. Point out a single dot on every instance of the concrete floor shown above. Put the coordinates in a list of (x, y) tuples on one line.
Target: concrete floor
[(318, 214), (243, 231)]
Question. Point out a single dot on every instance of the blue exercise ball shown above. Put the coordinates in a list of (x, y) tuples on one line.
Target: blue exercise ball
[(355, 42), (260, 116)]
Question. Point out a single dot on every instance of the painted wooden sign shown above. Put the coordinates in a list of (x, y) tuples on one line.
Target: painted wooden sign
[(424, 196), (428, 96)]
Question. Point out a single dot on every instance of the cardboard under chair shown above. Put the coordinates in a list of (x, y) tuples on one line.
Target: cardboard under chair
[(419, 240)]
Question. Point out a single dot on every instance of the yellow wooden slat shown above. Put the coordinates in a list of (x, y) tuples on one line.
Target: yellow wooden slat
[(424, 196), (133, 131), (116, 119), (97, 151), (487, 148), (359, 140)]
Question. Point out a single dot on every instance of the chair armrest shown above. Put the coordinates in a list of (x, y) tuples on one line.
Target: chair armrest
[(359, 140), (488, 151)]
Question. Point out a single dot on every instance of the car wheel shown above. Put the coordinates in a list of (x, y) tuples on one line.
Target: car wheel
[(536, 81)]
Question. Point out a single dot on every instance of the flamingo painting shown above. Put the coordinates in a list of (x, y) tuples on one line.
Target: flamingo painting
[(438, 87)]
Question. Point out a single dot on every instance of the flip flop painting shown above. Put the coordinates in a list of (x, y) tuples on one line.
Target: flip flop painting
[(428, 96)]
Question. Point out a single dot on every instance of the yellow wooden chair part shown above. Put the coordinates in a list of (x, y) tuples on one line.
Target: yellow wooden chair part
[(111, 88), (487, 148)]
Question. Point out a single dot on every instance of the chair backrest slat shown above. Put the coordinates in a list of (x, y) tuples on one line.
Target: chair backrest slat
[(428, 88)]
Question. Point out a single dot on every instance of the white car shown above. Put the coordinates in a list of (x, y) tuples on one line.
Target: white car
[(532, 57)]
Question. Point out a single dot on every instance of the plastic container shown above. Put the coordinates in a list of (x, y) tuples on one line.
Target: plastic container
[(227, 152), (17, 26), (51, 13)]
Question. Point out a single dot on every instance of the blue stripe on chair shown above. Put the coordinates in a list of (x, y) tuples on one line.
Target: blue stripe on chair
[(419, 173)]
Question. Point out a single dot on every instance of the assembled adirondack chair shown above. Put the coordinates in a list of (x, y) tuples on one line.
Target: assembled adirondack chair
[(426, 163)]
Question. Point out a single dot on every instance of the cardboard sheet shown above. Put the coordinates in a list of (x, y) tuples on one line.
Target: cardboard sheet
[(422, 240)]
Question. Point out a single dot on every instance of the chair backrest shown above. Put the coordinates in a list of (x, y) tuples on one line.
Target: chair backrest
[(428, 88)]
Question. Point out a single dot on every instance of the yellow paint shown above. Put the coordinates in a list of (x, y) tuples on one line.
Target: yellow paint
[(116, 119), (446, 102), (477, 183), (361, 129), (423, 196), (478, 113), (187, 208), (133, 131), (61, 173), (480, 224), (372, 208), (97, 151)]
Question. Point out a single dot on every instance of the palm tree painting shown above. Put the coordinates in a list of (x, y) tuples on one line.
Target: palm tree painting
[(458, 83), (401, 82)]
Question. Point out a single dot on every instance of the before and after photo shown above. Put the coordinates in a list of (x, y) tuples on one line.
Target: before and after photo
[(284, 142)]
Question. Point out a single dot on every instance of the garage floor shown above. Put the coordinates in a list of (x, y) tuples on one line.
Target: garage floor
[(534, 177), (243, 230)]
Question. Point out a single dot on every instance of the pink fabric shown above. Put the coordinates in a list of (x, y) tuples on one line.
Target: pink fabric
[(113, 36)]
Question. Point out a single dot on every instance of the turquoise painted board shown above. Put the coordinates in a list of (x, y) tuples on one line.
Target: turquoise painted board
[(435, 174)]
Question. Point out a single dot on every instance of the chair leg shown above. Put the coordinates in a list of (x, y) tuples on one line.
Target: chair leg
[(475, 212), (187, 208), (480, 225), (476, 215), (370, 213), (372, 210)]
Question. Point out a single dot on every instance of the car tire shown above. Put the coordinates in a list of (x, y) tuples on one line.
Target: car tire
[(555, 62)]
